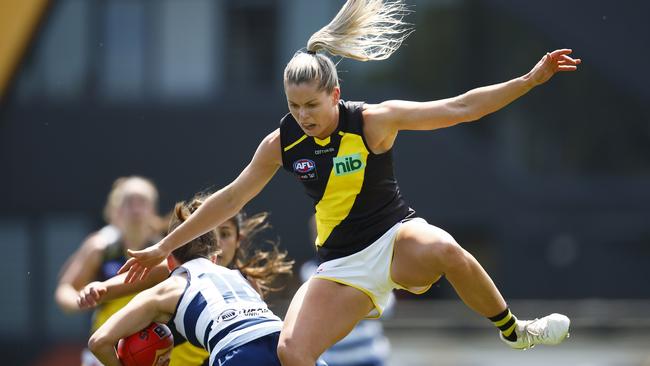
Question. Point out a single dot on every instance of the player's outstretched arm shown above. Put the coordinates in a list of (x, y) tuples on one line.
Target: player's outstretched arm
[(396, 115), (98, 292), (79, 270), (219, 207)]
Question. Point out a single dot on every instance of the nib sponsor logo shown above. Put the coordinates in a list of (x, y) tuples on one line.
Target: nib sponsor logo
[(347, 164)]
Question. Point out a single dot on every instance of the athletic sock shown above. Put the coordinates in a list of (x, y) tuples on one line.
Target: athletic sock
[(506, 322)]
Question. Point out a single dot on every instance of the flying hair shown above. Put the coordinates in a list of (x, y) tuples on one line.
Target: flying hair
[(364, 30), (263, 266)]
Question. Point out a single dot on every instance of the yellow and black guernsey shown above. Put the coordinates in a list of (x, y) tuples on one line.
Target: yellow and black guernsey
[(355, 193), (112, 259)]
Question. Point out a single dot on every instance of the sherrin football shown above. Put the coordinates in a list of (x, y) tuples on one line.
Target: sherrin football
[(149, 347)]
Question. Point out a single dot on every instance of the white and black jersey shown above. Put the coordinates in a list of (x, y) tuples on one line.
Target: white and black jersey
[(219, 309)]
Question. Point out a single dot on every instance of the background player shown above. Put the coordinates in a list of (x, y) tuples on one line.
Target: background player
[(133, 223)]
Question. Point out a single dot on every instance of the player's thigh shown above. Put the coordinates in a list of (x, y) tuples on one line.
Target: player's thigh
[(421, 254), (321, 313)]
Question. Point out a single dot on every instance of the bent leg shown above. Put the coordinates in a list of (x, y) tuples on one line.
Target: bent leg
[(321, 313), (423, 253)]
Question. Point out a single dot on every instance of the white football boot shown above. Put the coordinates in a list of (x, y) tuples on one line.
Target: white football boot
[(550, 330)]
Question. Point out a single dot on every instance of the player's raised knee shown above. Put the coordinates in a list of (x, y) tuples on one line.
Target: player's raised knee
[(449, 252)]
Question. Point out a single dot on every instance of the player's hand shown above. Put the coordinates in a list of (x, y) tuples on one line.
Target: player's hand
[(141, 262), (91, 295), (556, 61)]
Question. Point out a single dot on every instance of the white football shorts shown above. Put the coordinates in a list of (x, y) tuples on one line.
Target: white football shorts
[(369, 270)]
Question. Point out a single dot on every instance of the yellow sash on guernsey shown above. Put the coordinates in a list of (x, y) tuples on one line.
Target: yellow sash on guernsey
[(341, 190)]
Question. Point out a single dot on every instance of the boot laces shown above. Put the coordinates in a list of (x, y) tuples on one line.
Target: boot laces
[(535, 332)]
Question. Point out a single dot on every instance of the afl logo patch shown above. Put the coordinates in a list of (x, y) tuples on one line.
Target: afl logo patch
[(303, 166), (305, 170)]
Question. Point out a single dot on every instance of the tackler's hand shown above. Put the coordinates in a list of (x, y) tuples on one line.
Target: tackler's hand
[(141, 262)]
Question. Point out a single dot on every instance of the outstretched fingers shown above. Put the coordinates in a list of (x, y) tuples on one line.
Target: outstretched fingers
[(562, 61), (566, 58), (552, 63), (133, 266), (567, 68), (568, 64), (145, 273), (558, 53), (127, 265), (138, 266), (135, 273)]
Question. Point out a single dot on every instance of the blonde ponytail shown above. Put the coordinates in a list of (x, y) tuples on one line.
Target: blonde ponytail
[(363, 30)]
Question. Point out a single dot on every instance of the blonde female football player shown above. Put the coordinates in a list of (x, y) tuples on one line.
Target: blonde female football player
[(133, 223), (235, 244), (369, 240)]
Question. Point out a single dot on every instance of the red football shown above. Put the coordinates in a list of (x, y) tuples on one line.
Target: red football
[(148, 347)]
